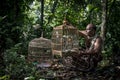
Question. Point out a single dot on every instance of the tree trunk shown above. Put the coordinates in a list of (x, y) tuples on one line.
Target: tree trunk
[(53, 10), (42, 12), (104, 16)]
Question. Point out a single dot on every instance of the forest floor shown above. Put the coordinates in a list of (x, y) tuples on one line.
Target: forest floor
[(104, 72)]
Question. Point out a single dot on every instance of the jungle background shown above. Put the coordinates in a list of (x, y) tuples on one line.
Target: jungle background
[(23, 20)]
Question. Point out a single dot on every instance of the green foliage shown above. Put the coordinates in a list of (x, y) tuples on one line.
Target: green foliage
[(112, 35), (6, 77), (16, 65), (13, 21)]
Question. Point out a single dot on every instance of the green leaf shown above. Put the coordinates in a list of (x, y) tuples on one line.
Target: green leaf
[(89, 7)]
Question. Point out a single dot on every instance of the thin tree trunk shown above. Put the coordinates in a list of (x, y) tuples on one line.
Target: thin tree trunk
[(42, 12), (53, 10), (104, 16), (54, 6), (41, 20)]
